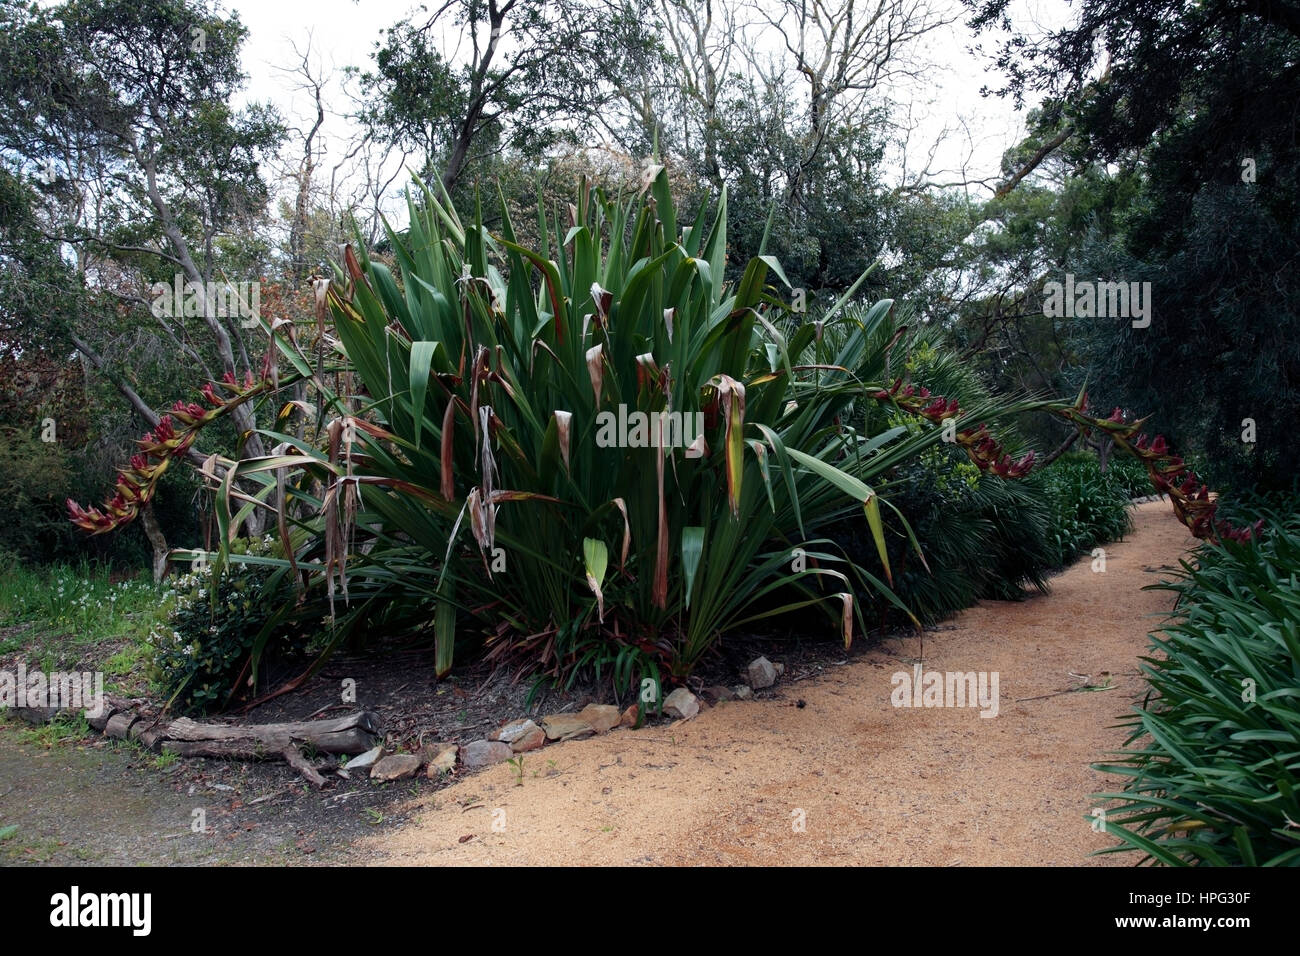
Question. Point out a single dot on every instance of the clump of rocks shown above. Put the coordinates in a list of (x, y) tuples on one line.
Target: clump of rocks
[(524, 735)]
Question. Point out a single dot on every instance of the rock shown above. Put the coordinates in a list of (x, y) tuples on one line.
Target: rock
[(761, 673), (629, 717), (742, 692), (440, 759), (366, 760), (602, 717), (396, 767), (717, 693), (484, 753), (532, 740), (566, 727), (512, 730), (682, 704), (779, 667)]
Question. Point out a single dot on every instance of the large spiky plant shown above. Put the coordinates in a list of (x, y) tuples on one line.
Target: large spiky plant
[(453, 465)]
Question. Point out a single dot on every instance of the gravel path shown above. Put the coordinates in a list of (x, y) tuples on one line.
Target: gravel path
[(870, 783)]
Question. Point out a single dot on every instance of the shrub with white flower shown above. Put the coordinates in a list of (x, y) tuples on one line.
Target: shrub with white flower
[(206, 647)]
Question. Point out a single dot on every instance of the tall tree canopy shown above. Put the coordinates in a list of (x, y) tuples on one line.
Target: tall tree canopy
[(119, 115), (1199, 101)]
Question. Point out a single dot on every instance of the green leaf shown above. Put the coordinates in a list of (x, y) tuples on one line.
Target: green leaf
[(692, 549), (421, 362), (595, 558)]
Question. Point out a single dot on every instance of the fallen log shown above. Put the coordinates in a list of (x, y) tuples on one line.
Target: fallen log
[(353, 734), (119, 725)]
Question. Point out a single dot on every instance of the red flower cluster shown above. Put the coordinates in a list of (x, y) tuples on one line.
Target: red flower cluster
[(919, 401), (988, 454), (984, 450), (135, 484), (1168, 472)]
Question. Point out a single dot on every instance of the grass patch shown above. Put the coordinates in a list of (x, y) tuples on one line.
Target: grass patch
[(79, 616), (124, 662), (37, 850), (62, 728), (77, 600), (164, 760)]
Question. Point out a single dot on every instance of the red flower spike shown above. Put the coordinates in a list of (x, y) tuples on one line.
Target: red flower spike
[(1168, 472)]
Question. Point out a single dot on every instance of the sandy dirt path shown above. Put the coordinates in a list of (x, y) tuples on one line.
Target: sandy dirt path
[(873, 784)]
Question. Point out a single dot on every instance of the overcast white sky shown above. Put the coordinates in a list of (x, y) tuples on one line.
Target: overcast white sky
[(343, 32)]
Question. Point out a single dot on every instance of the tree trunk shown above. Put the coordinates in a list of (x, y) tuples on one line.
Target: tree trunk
[(156, 540)]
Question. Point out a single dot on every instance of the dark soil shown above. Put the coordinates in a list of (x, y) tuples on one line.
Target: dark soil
[(78, 798)]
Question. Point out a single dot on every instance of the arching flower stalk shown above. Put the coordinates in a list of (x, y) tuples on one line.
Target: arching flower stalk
[(984, 450), (1169, 474), (172, 438), (1193, 503)]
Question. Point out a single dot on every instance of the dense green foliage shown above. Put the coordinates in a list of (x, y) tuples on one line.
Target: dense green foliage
[(201, 653), (1210, 774), (124, 162), (984, 536), (1088, 508)]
